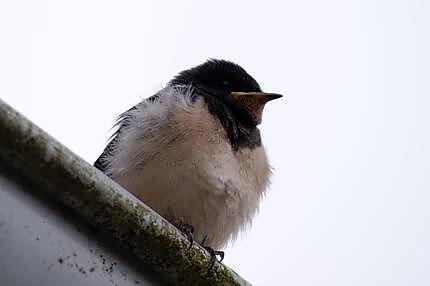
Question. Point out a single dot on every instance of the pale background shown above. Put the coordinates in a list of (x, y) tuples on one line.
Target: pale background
[(349, 200)]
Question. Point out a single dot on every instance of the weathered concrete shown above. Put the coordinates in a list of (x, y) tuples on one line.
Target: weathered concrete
[(53, 168), (43, 243)]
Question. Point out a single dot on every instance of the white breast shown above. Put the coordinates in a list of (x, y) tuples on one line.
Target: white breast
[(177, 159)]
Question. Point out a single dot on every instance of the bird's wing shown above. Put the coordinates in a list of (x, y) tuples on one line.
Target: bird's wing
[(122, 122)]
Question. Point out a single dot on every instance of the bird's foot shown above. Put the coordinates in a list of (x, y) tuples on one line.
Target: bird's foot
[(214, 253), (186, 229)]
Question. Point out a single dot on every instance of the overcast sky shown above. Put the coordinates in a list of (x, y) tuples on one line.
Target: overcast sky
[(349, 202)]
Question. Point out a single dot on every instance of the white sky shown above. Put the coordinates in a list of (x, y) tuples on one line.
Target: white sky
[(349, 200)]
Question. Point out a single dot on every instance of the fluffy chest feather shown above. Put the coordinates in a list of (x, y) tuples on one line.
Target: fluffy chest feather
[(175, 156)]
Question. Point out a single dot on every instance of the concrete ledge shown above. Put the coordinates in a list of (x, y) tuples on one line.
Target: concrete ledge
[(104, 204)]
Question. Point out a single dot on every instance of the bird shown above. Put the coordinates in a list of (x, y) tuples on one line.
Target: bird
[(193, 152)]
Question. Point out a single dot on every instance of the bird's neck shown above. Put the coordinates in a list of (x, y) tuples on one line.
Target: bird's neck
[(240, 132)]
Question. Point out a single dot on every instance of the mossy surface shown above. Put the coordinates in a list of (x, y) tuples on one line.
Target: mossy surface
[(105, 204)]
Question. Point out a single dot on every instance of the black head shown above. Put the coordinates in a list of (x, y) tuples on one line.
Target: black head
[(232, 95), (218, 77)]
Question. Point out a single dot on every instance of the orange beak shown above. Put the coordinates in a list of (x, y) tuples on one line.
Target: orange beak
[(261, 97)]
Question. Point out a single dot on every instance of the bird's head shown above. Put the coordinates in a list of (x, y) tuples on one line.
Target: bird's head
[(228, 84)]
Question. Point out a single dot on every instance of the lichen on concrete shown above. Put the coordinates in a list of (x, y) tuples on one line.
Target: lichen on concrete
[(106, 205)]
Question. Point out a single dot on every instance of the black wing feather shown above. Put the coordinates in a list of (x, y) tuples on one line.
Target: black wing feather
[(121, 123)]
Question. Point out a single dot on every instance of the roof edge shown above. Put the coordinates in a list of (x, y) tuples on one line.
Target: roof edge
[(105, 204)]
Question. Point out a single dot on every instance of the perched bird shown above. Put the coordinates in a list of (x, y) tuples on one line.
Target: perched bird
[(193, 152)]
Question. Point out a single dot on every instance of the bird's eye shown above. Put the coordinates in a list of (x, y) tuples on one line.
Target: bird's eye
[(226, 83)]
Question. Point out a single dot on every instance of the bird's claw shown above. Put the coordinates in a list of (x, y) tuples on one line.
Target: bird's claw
[(214, 253), (186, 229)]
